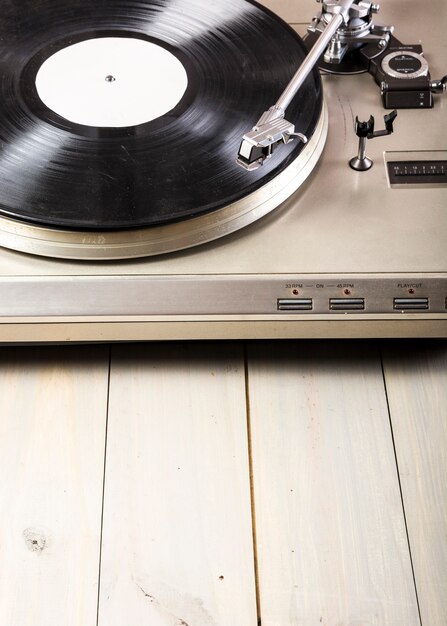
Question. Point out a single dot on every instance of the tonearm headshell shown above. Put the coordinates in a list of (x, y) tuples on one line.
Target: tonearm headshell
[(343, 39)]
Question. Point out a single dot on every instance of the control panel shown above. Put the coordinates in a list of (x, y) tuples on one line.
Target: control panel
[(361, 295), (226, 295)]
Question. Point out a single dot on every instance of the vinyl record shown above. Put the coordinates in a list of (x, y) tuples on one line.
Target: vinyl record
[(237, 57)]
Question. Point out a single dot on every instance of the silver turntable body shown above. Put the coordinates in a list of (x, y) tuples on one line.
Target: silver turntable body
[(350, 254)]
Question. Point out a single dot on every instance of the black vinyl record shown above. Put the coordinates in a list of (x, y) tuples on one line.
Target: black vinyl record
[(238, 58)]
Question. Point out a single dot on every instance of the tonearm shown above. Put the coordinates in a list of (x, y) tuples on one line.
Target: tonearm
[(342, 28)]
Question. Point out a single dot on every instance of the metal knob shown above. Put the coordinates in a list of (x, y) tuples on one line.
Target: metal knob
[(439, 86)]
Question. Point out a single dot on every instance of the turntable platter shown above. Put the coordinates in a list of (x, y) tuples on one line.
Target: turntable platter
[(120, 123)]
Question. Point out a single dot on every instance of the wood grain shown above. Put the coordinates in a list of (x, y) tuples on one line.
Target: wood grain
[(177, 538), (53, 405), (416, 379), (331, 540)]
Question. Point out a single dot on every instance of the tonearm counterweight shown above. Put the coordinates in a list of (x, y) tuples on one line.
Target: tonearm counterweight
[(343, 39)]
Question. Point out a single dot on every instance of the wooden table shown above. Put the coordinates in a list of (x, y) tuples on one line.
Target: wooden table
[(216, 484)]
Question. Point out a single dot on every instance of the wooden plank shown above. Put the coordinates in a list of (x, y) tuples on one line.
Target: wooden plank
[(53, 405), (331, 540), (177, 537), (416, 379)]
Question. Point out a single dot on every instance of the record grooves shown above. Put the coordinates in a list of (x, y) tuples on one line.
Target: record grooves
[(62, 175)]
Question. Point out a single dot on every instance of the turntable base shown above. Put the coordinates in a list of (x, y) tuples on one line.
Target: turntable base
[(340, 258)]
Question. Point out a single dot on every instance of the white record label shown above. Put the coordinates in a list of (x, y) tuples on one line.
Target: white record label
[(111, 82)]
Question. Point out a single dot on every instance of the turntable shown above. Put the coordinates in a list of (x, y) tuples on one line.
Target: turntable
[(188, 170)]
